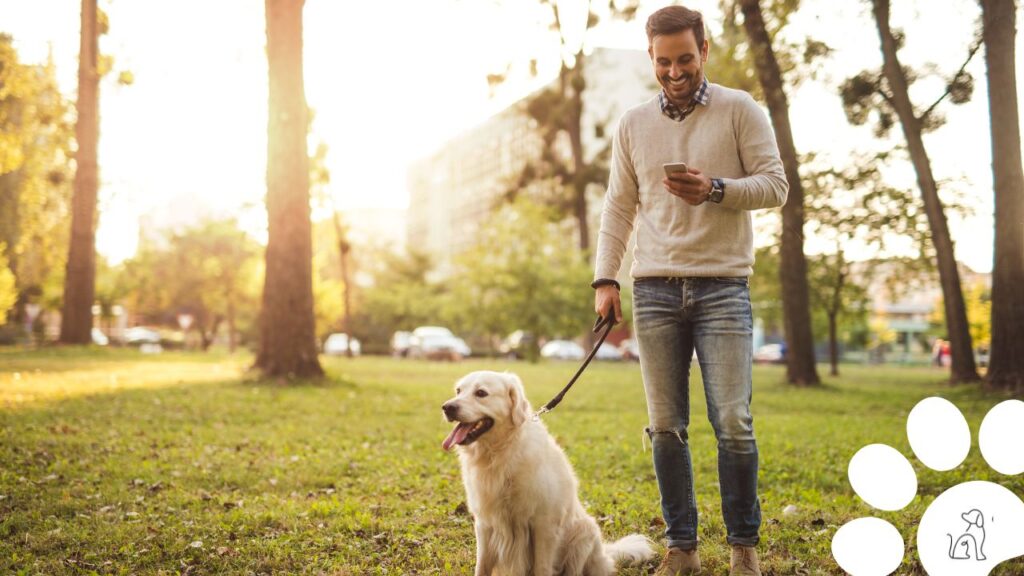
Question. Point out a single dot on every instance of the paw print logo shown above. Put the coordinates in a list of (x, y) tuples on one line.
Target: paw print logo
[(968, 529)]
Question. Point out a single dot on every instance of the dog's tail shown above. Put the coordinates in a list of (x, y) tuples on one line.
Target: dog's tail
[(630, 550)]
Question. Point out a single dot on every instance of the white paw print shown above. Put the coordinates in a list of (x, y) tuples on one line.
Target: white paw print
[(968, 529)]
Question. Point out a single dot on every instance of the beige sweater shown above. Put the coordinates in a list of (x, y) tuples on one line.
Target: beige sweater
[(729, 138)]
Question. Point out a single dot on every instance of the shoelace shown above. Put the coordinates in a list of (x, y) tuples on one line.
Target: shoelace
[(667, 560), (747, 558)]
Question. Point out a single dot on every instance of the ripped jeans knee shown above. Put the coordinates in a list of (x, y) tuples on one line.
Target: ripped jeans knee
[(660, 435)]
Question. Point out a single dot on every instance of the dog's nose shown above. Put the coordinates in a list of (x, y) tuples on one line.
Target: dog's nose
[(450, 410)]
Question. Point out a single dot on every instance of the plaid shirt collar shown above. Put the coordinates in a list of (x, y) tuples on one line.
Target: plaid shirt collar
[(702, 97)]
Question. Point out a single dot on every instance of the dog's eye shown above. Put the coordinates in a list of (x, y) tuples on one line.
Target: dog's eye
[(480, 393), (458, 390)]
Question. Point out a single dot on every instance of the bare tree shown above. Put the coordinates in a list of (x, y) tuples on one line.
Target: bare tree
[(80, 279), (800, 362), (892, 89), (287, 327), (1006, 366)]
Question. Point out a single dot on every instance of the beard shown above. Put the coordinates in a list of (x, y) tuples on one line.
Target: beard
[(681, 94)]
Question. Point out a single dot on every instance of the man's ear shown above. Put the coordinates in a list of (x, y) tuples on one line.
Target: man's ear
[(519, 407)]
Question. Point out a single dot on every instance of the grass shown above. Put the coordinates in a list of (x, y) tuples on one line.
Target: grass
[(117, 463)]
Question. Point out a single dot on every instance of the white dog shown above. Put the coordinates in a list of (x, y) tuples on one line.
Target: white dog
[(521, 489)]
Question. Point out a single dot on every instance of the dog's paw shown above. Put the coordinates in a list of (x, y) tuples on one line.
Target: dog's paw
[(968, 529)]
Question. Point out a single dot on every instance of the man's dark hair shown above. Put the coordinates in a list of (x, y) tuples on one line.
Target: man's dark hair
[(673, 19)]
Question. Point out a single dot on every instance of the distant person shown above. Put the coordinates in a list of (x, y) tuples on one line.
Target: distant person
[(694, 252), (937, 352)]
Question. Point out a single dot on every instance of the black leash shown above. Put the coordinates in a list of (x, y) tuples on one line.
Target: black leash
[(607, 323)]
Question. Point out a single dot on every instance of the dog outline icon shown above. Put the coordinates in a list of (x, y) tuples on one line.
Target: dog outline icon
[(972, 539)]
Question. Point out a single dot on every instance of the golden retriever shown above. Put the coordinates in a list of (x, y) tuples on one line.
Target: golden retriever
[(521, 489)]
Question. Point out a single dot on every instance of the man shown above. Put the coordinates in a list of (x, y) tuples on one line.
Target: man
[(694, 252)]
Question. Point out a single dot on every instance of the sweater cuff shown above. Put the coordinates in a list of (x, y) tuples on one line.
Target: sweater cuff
[(605, 282)]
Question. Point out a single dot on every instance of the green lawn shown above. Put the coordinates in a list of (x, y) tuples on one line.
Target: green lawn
[(116, 463)]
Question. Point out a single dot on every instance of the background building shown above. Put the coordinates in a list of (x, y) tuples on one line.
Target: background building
[(452, 191)]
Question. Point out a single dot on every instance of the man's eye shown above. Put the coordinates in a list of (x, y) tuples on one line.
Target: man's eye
[(481, 393)]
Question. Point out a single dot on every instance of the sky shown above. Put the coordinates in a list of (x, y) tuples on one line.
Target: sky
[(389, 82)]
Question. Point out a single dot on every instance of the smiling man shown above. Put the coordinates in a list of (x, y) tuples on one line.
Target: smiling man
[(694, 252)]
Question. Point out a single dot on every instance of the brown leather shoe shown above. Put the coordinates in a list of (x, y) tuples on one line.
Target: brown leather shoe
[(744, 562), (678, 562)]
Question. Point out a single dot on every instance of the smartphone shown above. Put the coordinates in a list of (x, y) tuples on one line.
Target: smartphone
[(673, 167)]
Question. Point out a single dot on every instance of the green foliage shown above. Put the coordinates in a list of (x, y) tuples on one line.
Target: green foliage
[(867, 98), (347, 477), (211, 271), (731, 63), (402, 297), (522, 274), (35, 182), (8, 291)]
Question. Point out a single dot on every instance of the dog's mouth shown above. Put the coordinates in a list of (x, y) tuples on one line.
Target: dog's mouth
[(465, 433)]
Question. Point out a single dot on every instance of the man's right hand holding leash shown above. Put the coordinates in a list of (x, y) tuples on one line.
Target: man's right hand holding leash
[(606, 298)]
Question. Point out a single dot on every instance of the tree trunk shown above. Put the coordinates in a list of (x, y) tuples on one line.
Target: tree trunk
[(344, 248), (801, 369), (80, 277), (963, 369), (1006, 362), (833, 345), (287, 328), (232, 328), (835, 305), (579, 167)]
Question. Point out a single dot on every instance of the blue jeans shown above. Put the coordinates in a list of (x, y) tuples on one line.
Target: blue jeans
[(672, 317)]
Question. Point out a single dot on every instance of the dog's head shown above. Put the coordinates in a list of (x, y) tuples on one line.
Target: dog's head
[(974, 517), (484, 400)]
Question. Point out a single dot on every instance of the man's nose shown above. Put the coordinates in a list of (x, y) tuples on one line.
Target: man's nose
[(450, 410)]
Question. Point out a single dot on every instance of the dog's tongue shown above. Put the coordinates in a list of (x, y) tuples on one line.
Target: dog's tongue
[(457, 435)]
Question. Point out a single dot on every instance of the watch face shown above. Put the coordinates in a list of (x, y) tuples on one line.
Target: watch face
[(716, 193)]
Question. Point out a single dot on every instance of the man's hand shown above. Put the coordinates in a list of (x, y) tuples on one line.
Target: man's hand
[(693, 186), (607, 297)]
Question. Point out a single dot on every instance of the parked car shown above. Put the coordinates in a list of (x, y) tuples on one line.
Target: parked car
[(516, 345), (337, 345), (438, 346), (769, 354), (99, 338), (630, 349), (139, 335), (562, 350), (431, 331), (400, 343), (608, 352)]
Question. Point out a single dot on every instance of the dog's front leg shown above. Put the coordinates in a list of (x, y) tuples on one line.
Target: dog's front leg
[(485, 553), (543, 546)]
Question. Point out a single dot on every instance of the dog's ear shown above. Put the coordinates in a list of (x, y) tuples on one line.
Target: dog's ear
[(980, 519), (519, 407)]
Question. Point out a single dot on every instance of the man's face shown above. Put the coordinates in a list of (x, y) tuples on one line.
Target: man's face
[(679, 65)]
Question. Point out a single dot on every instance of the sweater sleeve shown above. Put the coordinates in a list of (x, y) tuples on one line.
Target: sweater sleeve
[(764, 185), (620, 206)]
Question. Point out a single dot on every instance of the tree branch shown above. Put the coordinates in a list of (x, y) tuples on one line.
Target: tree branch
[(949, 85)]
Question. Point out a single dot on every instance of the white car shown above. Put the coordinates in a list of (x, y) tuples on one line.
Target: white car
[(608, 352), (337, 345), (141, 335), (562, 350), (438, 347), (769, 354)]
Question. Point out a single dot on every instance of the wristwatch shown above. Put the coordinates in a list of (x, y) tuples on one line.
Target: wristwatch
[(717, 191)]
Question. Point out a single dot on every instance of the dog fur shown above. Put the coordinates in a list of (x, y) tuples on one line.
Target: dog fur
[(522, 491)]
